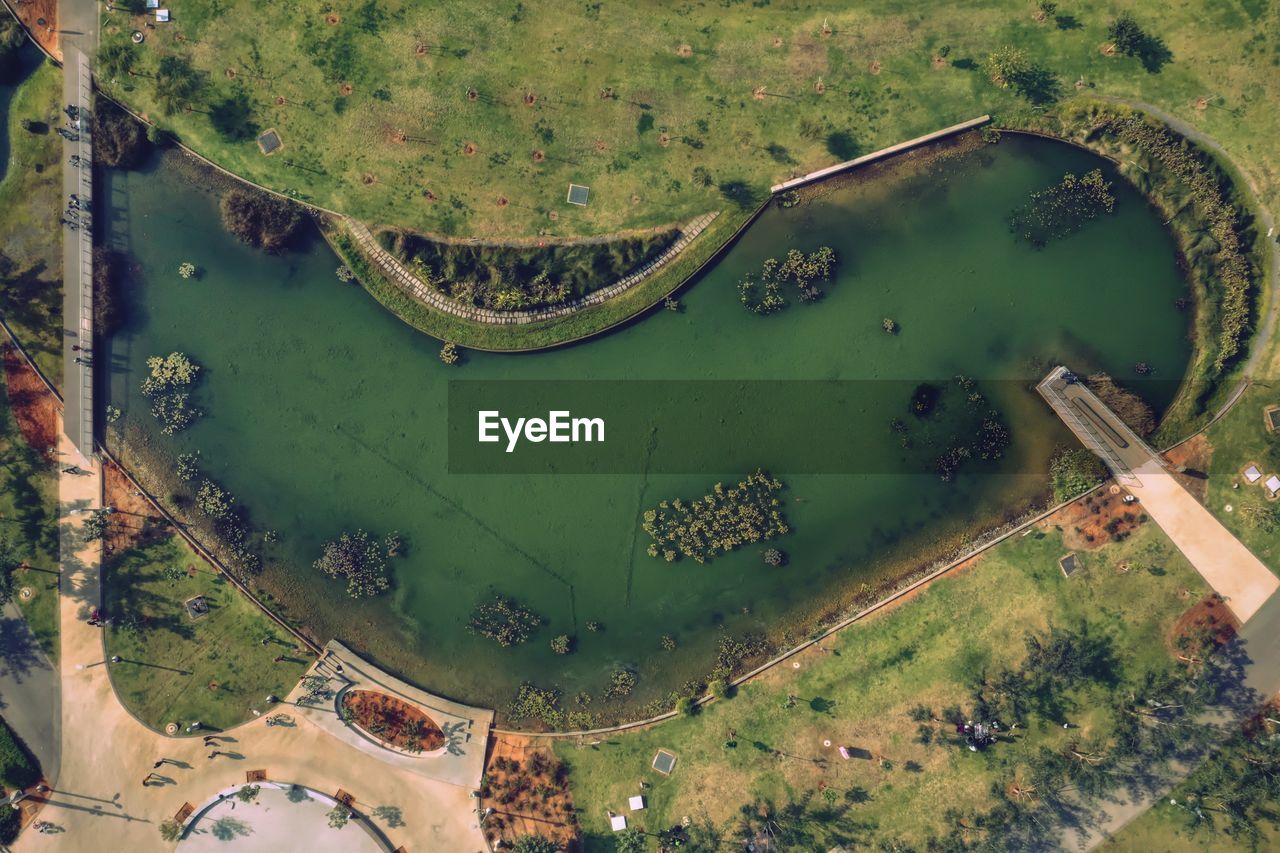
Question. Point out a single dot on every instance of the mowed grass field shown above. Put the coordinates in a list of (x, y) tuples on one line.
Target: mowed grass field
[(429, 115), (859, 692), (175, 669)]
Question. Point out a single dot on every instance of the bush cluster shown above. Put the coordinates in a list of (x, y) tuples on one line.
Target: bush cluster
[(719, 522)]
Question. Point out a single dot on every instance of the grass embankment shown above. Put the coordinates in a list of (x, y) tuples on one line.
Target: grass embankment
[(859, 692), (30, 207), (29, 521), (430, 115), (581, 324), (215, 669)]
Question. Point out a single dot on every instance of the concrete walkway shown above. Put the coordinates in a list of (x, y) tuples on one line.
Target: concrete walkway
[(29, 690), (1242, 580), (77, 250), (99, 799), (466, 729)]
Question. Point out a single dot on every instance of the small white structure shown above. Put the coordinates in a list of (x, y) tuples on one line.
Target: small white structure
[(1252, 474), (636, 803), (1273, 484), (618, 822), (162, 15)]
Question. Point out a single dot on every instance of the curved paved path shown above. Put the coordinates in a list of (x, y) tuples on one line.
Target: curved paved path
[(99, 799)]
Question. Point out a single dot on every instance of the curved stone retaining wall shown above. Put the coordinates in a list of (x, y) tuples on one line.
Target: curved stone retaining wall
[(399, 275)]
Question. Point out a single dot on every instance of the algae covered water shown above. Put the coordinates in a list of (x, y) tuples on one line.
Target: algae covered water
[(325, 413)]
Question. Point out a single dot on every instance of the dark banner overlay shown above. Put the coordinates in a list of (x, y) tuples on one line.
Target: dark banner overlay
[(941, 426)]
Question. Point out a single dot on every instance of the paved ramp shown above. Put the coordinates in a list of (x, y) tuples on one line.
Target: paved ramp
[(1225, 563)]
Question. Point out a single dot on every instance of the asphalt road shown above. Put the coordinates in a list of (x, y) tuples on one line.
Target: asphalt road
[(30, 690)]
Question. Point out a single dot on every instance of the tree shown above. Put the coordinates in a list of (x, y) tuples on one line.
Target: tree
[(630, 840), (232, 117), (1126, 35), (119, 139), (115, 61), (95, 526), (8, 565), (534, 844), (338, 816), (1005, 65), (170, 830), (177, 83), (248, 793), (260, 219), (358, 558)]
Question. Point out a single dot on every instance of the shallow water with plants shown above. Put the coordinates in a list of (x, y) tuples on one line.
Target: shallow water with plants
[(324, 413)]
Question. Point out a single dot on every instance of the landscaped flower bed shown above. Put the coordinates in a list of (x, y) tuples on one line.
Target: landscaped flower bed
[(392, 721)]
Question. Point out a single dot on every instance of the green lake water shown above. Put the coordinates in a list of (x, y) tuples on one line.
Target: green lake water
[(326, 413)]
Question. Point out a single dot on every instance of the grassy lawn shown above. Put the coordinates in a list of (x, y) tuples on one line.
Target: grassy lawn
[(1163, 829), (379, 104), (30, 236), (28, 517), (858, 694), (177, 669), (1238, 439)]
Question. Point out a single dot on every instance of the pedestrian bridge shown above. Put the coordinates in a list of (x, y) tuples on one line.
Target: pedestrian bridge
[(1233, 571)]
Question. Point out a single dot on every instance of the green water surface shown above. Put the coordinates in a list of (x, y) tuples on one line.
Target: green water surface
[(325, 413)]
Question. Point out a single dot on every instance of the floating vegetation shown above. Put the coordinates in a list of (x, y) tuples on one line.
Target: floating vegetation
[(719, 522), (504, 621), (358, 558), (1063, 209), (167, 385), (764, 296)]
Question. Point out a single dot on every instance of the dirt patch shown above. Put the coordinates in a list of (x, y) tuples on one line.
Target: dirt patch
[(1202, 104), (777, 41), (939, 63), (819, 87), (684, 50), (758, 93), (528, 790), (368, 179), (31, 12), (397, 137), (135, 522), (1096, 520), (530, 99), (664, 140), (539, 156), (600, 145), (345, 90), (469, 149), (875, 67), (332, 19), (1207, 623), (503, 201), (473, 95), (280, 101), (420, 49), (34, 408), (1107, 49), (1193, 455), (231, 73), (392, 721)]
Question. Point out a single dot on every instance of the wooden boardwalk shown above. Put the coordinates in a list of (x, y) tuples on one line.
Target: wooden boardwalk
[(399, 275), (1233, 571)]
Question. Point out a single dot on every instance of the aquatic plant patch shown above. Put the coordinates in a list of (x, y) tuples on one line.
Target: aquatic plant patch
[(1063, 209)]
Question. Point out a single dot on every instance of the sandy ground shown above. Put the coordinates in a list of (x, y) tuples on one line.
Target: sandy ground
[(527, 814)]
